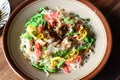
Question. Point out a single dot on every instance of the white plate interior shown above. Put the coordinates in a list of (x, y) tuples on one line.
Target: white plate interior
[(17, 27)]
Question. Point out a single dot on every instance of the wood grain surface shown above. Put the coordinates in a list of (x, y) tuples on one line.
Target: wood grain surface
[(111, 10), (6, 72)]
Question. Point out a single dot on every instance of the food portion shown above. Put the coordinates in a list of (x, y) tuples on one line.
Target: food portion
[(55, 40)]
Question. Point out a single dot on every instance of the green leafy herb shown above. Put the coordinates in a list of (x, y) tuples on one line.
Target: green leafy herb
[(72, 33), (60, 53), (29, 37), (86, 39), (82, 47), (88, 44), (69, 33), (68, 21), (88, 20)]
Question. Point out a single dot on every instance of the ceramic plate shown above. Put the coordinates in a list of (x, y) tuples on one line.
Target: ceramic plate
[(15, 26), (4, 12)]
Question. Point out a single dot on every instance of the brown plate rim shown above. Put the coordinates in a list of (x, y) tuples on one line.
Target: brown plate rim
[(109, 40), (91, 6)]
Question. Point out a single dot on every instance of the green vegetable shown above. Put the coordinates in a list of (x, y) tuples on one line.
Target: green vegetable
[(36, 20), (42, 9), (43, 22), (85, 25), (27, 23), (52, 70), (60, 53), (29, 37), (34, 23), (86, 39), (75, 33), (89, 43), (69, 33), (92, 40), (44, 48), (68, 21), (88, 20), (43, 68), (72, 33), (60, 64), (37, 66), (82, 47), (89, 40)]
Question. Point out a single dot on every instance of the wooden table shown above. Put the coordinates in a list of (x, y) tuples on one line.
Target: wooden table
[(111, 10)]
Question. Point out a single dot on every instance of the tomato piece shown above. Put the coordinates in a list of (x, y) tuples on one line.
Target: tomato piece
[(40, 28), (66, 69), (38, 50)]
